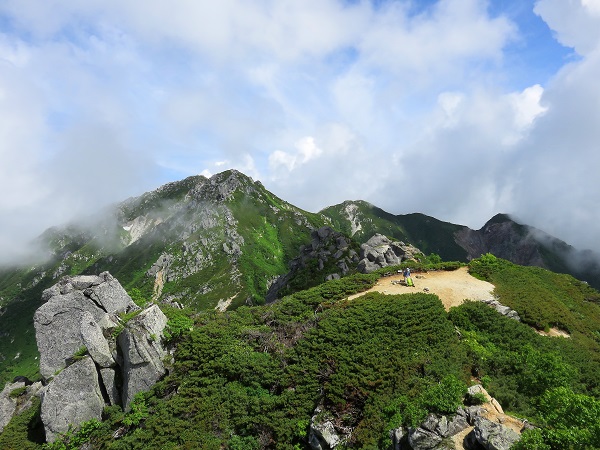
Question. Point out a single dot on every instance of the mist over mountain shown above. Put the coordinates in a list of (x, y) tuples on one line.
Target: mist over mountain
[(224, 248)]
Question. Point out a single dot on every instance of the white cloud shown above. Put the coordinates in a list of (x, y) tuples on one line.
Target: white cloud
[(527, 105), (323, 100), (575, 22), (593, 6), (305, 150), (442, 41)]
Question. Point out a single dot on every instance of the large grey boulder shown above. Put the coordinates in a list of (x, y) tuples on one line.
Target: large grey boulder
[(380, 251), (422, 439), (73, 397), (323, 433), (322, 436), (491, 435), (142, 351), (84, 312), (69, 305)]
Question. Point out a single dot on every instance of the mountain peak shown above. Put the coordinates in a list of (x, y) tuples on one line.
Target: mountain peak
[(499, 218), (222, 186)]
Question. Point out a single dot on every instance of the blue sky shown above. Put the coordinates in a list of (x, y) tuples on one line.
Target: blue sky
[(459, 109)]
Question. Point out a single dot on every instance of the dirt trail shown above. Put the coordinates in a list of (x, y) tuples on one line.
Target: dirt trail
[(452, 287)]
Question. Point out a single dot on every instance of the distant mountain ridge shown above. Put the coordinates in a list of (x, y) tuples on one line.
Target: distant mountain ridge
[(501, 236), (222, 242)]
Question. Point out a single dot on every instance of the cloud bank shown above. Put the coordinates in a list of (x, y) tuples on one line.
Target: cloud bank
[(414, 106)]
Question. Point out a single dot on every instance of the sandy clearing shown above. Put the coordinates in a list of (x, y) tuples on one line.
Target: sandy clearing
[(554, 332), (452, 287)]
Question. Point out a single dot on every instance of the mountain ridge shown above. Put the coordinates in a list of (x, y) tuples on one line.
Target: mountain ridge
[(372, 371), (224, 240)]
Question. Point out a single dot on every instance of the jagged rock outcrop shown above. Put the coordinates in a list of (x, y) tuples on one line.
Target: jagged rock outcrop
[(74, 396), (73, 303), (11, 404), (8, 405), (142, 351), (491, 435), (92, 368), (323, 433), (436, 431), (379, 251), (431, 433), (331, 253), (504, 238)]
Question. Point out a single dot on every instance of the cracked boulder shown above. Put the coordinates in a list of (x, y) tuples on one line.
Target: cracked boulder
[(73, 397), (143, 353), (72, 307), (379, 251)]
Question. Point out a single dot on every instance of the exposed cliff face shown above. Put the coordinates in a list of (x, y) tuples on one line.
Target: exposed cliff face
[(85, 365), (505, 239), (529, 246), (330, 255)]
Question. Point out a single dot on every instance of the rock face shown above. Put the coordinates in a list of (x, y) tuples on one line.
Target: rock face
[(491, 435), (74, 396), (85, 366), (329, 251), (379, 251), (431, 433), (71, 304), (142, 351), (504, 238)]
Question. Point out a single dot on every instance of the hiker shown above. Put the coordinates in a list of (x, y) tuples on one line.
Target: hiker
[(407, 279)]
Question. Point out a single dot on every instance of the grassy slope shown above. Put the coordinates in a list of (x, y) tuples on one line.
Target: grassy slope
[(241, 380), (273, 231)]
